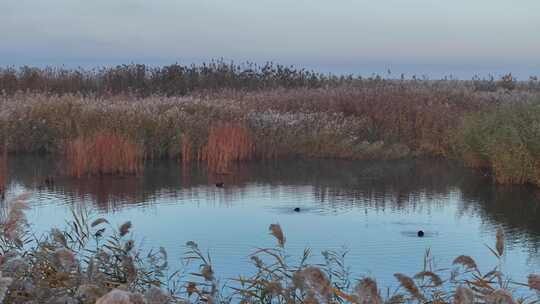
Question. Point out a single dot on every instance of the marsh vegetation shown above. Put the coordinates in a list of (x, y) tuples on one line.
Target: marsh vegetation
[(221, 113), (113, 121)]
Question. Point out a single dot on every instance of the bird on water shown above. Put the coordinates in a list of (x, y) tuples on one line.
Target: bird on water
[(420, 233), (297, 209), (220, 185)]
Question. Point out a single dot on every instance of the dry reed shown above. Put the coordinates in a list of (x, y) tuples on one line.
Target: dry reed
[(499, 245), (371, 119), (103, 153), (275, 230), (366, 292), (315, 283), (124, 228), (408, 284), (465, 261), (227, 143)]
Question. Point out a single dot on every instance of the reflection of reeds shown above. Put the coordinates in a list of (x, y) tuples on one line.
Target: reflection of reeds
[(103, 153)]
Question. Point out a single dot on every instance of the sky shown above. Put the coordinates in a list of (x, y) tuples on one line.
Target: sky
[(434, 38)]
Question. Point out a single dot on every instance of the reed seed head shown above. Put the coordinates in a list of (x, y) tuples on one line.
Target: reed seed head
[(466, 261), (99, 221), (435, 279), (124, 228), (275, 230), (315, 283), (366, 292), (408, 284), (500, 241)]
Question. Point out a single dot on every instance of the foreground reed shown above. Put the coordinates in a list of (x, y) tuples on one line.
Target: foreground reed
[(91, 261)]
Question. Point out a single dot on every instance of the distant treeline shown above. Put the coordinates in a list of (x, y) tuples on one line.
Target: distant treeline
[(178, 80)]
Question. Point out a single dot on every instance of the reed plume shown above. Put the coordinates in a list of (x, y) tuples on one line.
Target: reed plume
[(499, 245), (99, 221), (315, 283), (408, 284), (435, 279), (14, 220), (465, 261), (124, 228), (366, 292), (275, 230)]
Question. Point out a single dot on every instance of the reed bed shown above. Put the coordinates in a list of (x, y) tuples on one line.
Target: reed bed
[(363, 119), (92, 261), (3, 170), (103, 154), (227, 143), (179, 80)]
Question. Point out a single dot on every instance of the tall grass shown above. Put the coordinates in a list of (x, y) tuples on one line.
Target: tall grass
[(103, 153), (92, 261), (506, 139), (227, 143)]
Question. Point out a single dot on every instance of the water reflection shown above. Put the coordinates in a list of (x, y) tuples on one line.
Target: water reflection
[(336, 185), (382, 188)]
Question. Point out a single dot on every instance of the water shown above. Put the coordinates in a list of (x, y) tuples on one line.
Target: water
[(371, 209)]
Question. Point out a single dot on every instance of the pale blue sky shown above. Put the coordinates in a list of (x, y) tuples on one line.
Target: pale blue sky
[(413, 36)]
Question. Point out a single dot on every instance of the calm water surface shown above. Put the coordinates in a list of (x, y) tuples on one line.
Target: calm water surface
[(371, 209)]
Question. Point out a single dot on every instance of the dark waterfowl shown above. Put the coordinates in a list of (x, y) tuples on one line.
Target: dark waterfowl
[(297, 209), (220, 185), (420, 233)]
